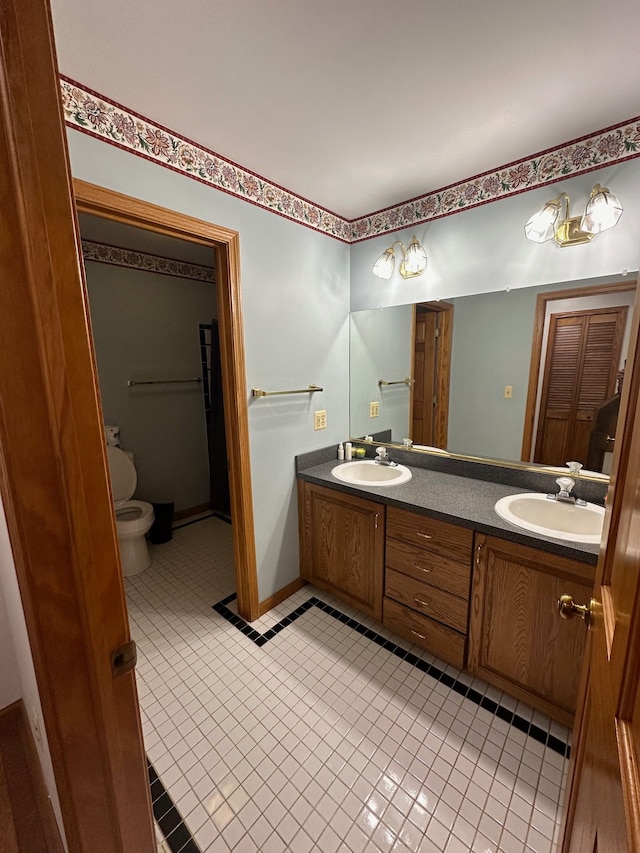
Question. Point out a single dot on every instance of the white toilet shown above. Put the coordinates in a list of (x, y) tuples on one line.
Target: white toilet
[(133, 518)]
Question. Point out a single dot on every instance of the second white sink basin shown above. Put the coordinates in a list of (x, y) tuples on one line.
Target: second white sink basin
[(366, 472), (558, 519)]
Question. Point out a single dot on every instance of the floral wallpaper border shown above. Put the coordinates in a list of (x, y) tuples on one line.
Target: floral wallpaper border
[(92, 113), (606, 147), (102, 253)]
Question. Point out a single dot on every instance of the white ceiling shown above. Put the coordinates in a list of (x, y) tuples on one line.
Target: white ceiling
[(361, 104)]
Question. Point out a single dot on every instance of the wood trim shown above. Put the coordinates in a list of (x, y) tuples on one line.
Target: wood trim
[(192, 510), (412, 370), (109, 204), (281, 595), (53, 468), (27, 815), (536, 347), (442, 378), (444, 374)]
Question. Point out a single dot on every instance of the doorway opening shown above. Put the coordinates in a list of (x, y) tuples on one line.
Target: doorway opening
[(431, 371), (116, 207), (157, 344), (580, 338)]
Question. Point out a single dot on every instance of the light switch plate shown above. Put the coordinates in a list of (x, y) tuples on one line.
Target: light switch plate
[(508, 392), (374, 409)]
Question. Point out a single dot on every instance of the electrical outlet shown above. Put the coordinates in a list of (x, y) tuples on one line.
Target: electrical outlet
[(374, 409), (508, 392), (320, 419)]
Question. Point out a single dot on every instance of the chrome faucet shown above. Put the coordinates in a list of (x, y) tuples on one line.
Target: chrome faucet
[(566, 484), (382, 457)]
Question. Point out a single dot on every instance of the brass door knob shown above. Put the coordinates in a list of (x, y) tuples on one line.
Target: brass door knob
[(567, 608)]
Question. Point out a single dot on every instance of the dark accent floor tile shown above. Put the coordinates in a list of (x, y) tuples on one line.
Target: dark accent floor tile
[(430, 669)]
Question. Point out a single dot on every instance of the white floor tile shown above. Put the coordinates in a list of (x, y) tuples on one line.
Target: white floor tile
[(321, 740)]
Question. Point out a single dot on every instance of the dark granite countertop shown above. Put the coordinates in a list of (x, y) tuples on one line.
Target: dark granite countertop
[(460, 500)]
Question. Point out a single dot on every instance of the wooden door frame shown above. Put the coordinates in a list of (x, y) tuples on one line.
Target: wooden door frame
[(53, 467), (542, 301), (618, 507), (108, 204), (443, 373)]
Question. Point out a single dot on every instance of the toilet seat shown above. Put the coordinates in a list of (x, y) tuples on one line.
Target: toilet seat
[(133, 518), (122, 473)]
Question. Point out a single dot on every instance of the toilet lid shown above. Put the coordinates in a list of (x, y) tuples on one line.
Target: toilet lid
[(123, 475)]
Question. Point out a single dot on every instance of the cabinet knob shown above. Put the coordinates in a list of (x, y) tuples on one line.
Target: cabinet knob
[(567, 608)]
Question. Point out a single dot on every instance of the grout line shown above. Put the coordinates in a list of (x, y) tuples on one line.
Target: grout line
[(171, 823), (213, 514), (518, 722)]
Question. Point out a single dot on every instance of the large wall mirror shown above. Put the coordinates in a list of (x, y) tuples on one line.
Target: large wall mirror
[(476, 385)]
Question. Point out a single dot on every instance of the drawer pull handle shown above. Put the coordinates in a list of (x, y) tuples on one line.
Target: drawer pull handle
[(424, 535), (421, 601), (422, 568), (417, 634)]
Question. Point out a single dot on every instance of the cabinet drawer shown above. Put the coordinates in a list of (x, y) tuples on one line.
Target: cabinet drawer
[(434, 569), (439, 537), (441, 641), (433, 602)]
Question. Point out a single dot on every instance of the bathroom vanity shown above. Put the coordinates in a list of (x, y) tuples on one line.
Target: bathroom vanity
[(433, 563)]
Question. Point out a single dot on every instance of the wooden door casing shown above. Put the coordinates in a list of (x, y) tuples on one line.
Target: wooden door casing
[(109, 204), (583, 357), (431, 371), (603, 794), (543, 303)]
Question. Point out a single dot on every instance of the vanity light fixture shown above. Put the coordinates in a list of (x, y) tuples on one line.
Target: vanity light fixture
[(414, 260), (603, 211)]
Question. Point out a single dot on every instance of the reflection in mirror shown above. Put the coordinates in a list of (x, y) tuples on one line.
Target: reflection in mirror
[(492, 406)]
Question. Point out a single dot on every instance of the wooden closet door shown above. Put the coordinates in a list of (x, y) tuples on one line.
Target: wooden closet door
[(583, 355)]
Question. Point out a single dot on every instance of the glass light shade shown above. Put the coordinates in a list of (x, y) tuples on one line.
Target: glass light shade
[(385, 264), (542, 225), (602, 212), (415, 259)]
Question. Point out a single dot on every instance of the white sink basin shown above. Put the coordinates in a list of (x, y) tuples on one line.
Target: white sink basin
[(558, 519), (366, 472)]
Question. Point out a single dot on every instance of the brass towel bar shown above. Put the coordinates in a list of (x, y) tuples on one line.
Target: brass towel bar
[(258, 392), (405, 381)]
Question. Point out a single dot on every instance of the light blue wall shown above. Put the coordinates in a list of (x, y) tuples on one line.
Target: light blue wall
[(146, 326), (485, 250), (298, 287), (380, 349), (295, 293), (492, 334)]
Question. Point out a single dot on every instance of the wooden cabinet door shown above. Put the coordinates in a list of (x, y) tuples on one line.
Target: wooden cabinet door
[(343, 546), (517, 640)]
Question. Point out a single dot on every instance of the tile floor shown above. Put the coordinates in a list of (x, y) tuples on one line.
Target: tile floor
[(321, 739)]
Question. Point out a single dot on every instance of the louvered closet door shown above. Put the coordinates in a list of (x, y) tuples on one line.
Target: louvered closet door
[(583, 354)]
